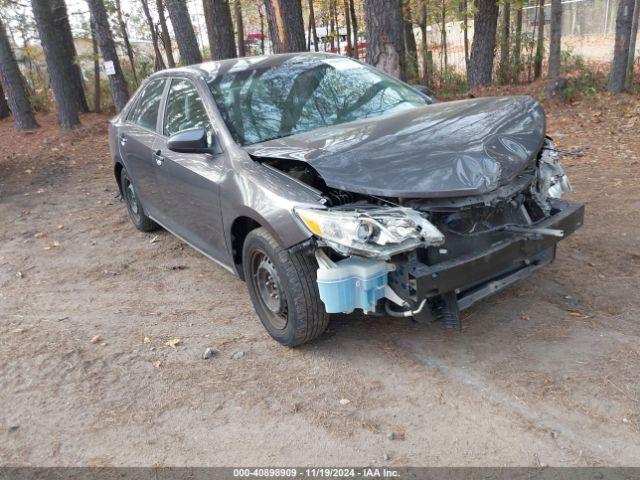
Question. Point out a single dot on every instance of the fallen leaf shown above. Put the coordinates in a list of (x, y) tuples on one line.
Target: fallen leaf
[(147, 340), (173, 343), (345, 401), (154, 239), (60, 227), (96, 339), (40, 235), (55, 244)]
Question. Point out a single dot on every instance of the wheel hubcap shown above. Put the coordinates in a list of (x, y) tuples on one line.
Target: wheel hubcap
[(267, 284), (133, 201)]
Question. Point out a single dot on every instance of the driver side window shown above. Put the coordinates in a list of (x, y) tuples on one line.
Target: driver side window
[(184, 109)]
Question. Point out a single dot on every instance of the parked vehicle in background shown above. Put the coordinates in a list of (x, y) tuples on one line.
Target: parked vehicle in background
[(329, 186)]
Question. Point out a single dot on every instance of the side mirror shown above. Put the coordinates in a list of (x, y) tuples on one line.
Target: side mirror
[(423, 89), (193, 140)]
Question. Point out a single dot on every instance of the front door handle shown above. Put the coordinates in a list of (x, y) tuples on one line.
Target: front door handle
[(123, 140), (157, 156)]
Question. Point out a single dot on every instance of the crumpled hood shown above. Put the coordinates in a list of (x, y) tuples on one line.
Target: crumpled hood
[(466, 147)]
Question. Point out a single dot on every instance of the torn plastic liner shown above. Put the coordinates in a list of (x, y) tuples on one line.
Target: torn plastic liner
[(449, 149)]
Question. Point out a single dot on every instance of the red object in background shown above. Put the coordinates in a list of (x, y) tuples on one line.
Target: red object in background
[(256, 36)]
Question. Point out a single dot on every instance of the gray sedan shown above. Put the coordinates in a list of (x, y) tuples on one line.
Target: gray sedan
[(330, 187)]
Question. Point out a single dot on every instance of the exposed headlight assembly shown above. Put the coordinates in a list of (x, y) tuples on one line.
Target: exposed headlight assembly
[(378, 232), (552, 181)]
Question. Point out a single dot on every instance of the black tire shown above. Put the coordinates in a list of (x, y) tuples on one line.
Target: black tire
[(134, 207), (302, 317)]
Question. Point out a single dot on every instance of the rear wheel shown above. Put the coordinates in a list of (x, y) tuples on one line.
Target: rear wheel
[(134, 207), (283, 289)]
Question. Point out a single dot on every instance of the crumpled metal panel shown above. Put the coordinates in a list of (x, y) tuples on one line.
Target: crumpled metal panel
[(448, 149)]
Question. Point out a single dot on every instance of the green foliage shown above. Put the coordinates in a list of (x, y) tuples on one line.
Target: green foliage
[(411, 69), (450, 83), (583, 78), (41, 100)]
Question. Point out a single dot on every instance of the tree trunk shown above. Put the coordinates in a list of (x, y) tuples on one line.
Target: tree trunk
[(443, 36), (517, 51), (286, 25), (166, 38), (484, 42), (274, 34), (125, 38), (354, 28), (239, 28), (555, 40), (61, 20), (158, 61), (624, 23), (119, 89), (537, 62), (332, 25), (313, 32), (217, 16), (505, 42), (183, 29), (347, 22), (336, 22), (385, 48), (97, 104), (423, 43), (410, 47), (60, 68), (14, 85), (261, 15), (4, 106), (632, 45), (465, 23)]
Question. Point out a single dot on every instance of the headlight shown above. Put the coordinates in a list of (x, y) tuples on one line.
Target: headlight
[(372, 232), (552, 182)]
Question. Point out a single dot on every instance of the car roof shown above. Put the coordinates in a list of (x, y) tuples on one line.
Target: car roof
[(214, 68)]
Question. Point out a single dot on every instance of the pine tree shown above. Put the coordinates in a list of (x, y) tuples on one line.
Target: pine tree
[(61, 20), (217, 16), (624, 23), (286, 25), (183, 29), (553, 76), (484, 42), (125, 38), (59, 66), (119, 88), (14, 85), (158, 61), (164, 30), (4, 106), (385, 49)]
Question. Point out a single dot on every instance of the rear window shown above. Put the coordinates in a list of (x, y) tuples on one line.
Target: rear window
[(145, 111)]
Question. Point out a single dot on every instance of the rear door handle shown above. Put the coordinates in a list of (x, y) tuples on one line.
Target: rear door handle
[(157, 156)]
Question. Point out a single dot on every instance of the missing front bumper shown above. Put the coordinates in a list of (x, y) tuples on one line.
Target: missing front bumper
[(456, 284)]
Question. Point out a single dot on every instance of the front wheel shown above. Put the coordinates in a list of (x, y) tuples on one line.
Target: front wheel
[(283, 289)]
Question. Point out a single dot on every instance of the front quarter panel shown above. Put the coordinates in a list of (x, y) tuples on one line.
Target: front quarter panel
[(258, 192)]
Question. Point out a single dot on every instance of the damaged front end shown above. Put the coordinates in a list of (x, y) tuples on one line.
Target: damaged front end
[(429, 258)]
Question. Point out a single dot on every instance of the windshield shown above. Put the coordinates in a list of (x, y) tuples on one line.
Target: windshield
[(304, 93)]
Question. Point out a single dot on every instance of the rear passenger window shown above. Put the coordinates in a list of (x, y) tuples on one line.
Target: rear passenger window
[(184, 109), (145, 112)]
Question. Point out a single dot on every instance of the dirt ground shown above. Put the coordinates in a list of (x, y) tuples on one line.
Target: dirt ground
[(546, 373)]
